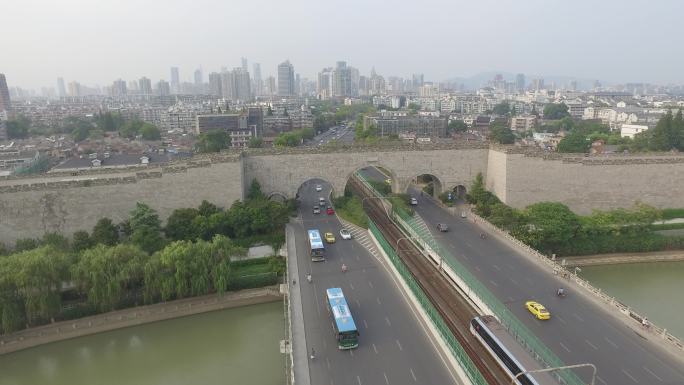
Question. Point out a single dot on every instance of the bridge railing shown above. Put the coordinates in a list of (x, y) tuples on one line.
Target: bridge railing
[(560, 270), (457, 350), (526, 338)]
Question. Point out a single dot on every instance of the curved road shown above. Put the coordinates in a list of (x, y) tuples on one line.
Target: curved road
[(579, 331), (393, 348)]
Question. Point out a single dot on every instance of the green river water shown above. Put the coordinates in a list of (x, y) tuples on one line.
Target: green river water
[(655, 290), (235, 346)]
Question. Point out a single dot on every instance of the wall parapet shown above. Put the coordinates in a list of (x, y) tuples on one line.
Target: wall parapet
[(593, 159)]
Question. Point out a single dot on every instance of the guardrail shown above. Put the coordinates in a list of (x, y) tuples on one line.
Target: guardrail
[(559, 269), (457, 350), (491, 302)]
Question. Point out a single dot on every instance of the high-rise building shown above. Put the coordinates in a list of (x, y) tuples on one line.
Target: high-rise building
[(258, 88), (342, 80), (163, 88), (5, 104), (175, 80), (271, 86), (241, 82), (61, 89), (119, 88), (215, 84), (199, 77), (286, 79), (324, 84), (245, 64), (418, 81), (227, 85), (74, 89), (145, 86), (520, 82)]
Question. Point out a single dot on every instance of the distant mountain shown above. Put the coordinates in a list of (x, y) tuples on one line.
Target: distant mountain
[(482, 79)]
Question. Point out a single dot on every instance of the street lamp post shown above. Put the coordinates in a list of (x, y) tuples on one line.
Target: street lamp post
[(593, 377)]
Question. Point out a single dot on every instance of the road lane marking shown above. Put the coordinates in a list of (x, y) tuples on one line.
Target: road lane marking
[(629, 375), (351, 353), (375, 349), (610, 342), (578, 317), (370, 284), (653, 374), (413, 375), (494, 283), (496, 267), (365, 324), (561, 319), (564, 347), (358, 304), (386, 380), (477, 268), (379, 303), (351, 285), (318, 308), (388, 322), (327, 361), (590, 344), (514, 281), (465, 256), (399, 345), (601, 379), (358, 379), (529, 281)]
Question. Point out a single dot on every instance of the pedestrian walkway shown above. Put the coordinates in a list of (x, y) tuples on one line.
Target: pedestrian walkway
[(361, 236), (300, 358)]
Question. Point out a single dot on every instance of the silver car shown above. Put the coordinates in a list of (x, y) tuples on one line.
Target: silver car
[(345, 234)]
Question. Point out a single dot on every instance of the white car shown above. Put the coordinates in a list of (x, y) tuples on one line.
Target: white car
[(345, 234), (414, 201), (319, 187), (463, 214)]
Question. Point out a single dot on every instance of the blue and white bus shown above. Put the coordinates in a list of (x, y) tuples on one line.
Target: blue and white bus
[(343, 324), (316, 248)]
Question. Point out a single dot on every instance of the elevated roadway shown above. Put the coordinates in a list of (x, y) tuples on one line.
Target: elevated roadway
[(579, 330), (393, 346)]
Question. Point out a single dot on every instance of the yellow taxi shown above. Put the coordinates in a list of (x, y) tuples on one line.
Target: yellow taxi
[(329, 237), (538, 310)]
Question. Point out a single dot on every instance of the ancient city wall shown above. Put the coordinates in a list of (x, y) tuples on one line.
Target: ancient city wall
[(593, 182), (65, 203)]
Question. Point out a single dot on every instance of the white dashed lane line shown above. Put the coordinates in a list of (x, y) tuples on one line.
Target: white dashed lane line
[(653, 374), (564, 347), (613, 344), (629, 375)]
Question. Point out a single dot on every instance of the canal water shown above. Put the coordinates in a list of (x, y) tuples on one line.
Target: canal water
[(234, 346), (653, 289)]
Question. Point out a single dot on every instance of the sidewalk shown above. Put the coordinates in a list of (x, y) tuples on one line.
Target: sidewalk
[(618, 258), (300, 354)]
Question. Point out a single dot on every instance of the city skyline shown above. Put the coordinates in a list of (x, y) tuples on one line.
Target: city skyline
[(457, 39)]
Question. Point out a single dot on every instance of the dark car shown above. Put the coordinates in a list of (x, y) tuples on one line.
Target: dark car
[(442, 227)]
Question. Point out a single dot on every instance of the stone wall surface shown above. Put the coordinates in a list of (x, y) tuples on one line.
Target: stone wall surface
[(66, 205), (66, 202), (284, 175), (588, 183)]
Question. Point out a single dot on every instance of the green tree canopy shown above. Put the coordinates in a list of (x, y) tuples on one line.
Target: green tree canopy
[(179, 226), (18, 128), (501, 133), (554, 111), (150, 132), (574, 142), (212, 141), (457, 126), (551, 226), (146, 228), (502, 108), (255, 142), (105, 233)]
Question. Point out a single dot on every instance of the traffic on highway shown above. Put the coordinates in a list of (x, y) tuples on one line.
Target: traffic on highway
[(374, 336), (574, 326)]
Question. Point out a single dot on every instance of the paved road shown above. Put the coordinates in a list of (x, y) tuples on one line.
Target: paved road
[(579, 331), (393, 348), (341, 134)]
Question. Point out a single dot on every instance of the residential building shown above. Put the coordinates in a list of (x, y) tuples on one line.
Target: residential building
[(175, 80), (241, 83), (523, 123), (199, 77), (215, 84), (324, 84), (61, 88), (258, 88), (270, 86), (389, 123), (145, 86), (5, 103), (163, 88), (227, 85), (74, 89), (286, 79), (576, 108), (3, 127), (342, 80), (119, 88), (520, 82), (629, 130)]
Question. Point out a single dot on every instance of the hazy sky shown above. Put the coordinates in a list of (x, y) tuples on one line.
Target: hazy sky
[(97, 41)]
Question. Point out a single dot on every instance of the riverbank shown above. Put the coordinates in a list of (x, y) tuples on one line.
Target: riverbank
[(623, 258), (134, 316)]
